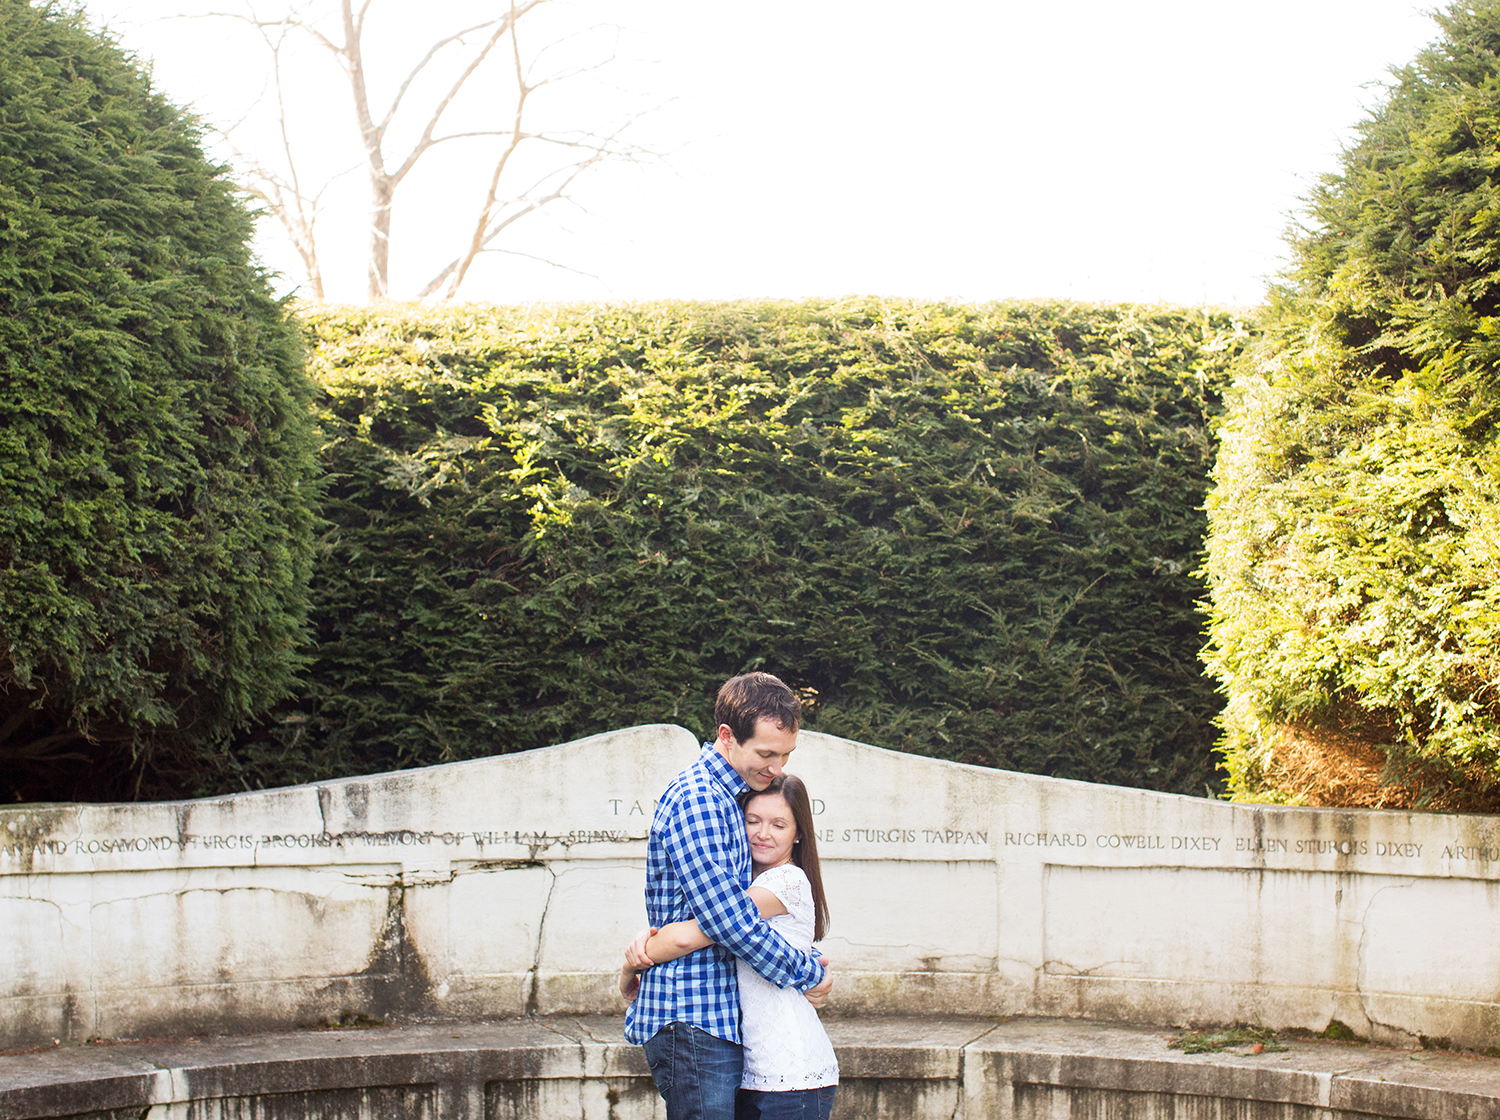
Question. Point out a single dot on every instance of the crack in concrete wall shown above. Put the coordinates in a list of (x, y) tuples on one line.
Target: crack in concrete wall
[(325, 799), (95, 1023), (1361, 986), (533, 993), (1056, 967)]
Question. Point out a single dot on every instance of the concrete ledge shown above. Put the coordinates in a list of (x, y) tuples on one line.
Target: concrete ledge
[(906, 1068), (1038, 1067)]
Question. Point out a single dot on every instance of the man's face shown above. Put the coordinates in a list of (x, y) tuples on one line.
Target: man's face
[(759, 758)]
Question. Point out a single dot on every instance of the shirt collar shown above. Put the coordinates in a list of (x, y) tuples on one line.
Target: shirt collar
[(726, 774)]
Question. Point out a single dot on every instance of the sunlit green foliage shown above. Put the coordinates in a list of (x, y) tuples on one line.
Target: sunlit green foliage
[(155, 441), (1355, 521), (965, 532)]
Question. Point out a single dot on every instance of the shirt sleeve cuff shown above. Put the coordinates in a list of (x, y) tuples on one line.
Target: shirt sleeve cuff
[(815, 973)]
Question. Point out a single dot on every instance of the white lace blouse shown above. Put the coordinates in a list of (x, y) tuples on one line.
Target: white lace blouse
[(785, 1045)]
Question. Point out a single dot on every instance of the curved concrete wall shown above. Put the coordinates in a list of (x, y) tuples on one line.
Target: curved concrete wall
[(509, 885)]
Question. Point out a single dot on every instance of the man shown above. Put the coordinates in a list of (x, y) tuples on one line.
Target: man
[(687, 1014)]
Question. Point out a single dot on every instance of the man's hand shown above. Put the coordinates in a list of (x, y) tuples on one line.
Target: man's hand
[(630, 983), (635, 952), (636, 962), (819, 994)]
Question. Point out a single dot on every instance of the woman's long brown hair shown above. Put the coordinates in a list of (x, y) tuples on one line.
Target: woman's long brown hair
[(805, 847)]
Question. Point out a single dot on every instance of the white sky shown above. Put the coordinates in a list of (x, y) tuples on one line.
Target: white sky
[(969, 149)]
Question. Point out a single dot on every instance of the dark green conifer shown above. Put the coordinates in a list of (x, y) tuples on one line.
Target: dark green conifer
[(1355, 522), (155, 446)]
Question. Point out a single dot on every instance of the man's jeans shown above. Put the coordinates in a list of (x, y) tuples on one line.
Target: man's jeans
[(795, 1104), (695, 1073)]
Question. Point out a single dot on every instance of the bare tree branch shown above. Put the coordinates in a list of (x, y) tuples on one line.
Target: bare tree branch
[(457, 37), (263, 24), (546, 261), (294, 208), (279, 183), (508, 24), (457, 269)]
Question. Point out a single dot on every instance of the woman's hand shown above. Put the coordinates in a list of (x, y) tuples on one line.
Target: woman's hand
[(635, 952)]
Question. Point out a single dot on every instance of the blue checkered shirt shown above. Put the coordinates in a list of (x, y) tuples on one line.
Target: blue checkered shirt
[(698, 866)]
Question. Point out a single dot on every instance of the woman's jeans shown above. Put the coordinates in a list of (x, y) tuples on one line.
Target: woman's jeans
[(798, 1104), (695, 1073)]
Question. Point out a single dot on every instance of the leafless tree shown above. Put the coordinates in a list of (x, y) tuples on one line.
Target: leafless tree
[(528, 167)]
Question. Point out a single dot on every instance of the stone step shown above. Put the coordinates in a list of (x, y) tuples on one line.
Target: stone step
[(892, 1068)]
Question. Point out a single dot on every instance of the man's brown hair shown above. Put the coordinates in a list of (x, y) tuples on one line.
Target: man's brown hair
[(750, 697)]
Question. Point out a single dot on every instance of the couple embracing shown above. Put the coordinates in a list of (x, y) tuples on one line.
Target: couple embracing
[(725, 984)]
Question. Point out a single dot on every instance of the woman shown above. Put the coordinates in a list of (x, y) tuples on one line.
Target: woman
[(790, 1070)]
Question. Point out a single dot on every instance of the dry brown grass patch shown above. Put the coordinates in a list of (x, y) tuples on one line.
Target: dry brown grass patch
[(1342, 768)]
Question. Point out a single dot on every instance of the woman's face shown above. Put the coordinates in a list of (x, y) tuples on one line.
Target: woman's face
[(771, 829)]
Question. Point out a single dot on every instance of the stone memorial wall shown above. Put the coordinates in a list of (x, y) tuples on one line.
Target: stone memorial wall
[(510, 885)]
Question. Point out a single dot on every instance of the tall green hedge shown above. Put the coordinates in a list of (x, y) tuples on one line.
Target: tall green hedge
[(967, 532), (156, 449), (1355, 548)]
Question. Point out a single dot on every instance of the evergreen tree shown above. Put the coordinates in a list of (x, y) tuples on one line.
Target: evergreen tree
[(155, 441), (1355, 521)]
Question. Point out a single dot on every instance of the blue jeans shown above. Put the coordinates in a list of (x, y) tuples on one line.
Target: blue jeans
[(798, 1104), (695, 1073)]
